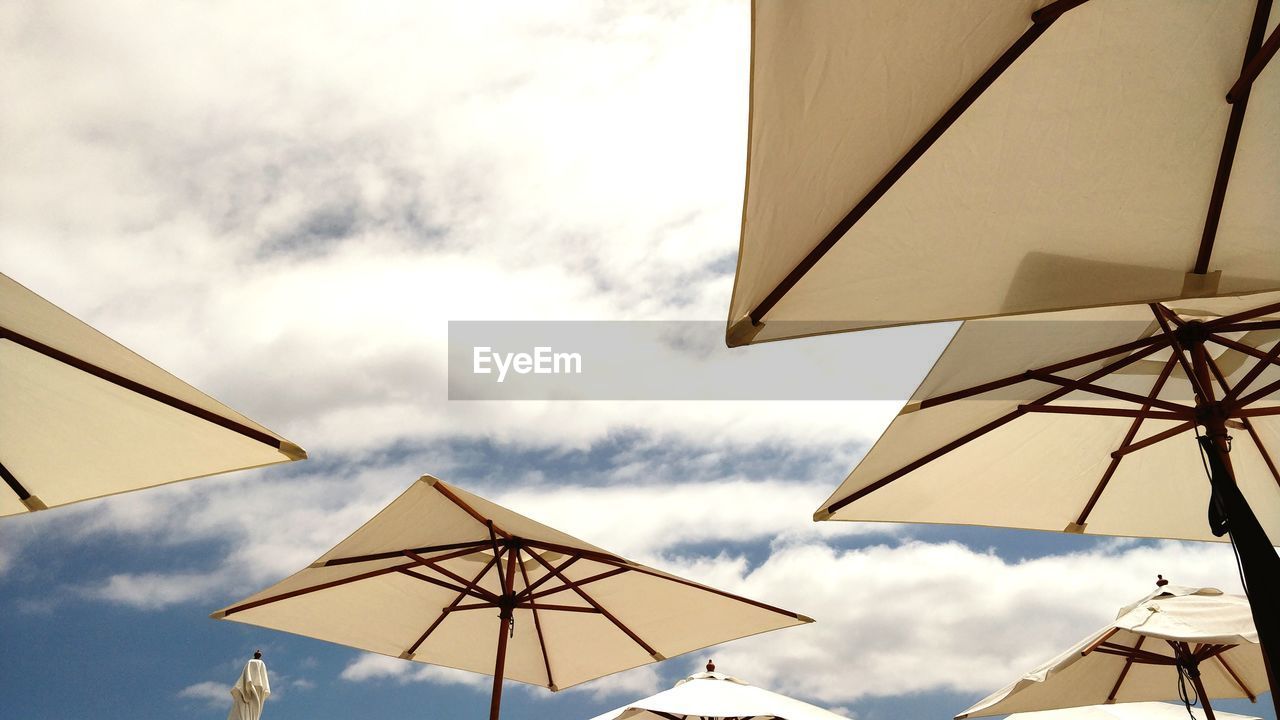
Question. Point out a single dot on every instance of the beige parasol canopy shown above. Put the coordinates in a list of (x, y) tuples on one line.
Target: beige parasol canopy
[(712, 696), (83, 417), (442, 576), (922, 161), (1137, 657), (1125, 711), (1082, 421), (1089, 421)]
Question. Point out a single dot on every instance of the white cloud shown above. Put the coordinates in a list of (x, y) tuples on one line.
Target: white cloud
[(643, 521), (150, 591), (270, 528), (212, 693), (635, 683), (370, 667), (379, 667), (921, 616)]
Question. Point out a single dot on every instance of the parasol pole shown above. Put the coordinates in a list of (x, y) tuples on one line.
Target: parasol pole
[(1259, 564), (506, 606)]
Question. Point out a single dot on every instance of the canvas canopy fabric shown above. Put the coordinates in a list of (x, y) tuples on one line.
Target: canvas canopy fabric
[(922, 161), (1126, 711), (250, 692), (427, 578), (997, 435), (712, 695), (1131, 659), (83, 417)]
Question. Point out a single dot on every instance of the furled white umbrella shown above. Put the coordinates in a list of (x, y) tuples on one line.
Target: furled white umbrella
[(948, 159), (251, 690), (442, 576), (1126, 711), (82, 416), (1193, 640), (715, 696)]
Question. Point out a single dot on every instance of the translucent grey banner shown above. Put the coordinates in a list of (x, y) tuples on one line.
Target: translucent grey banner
[(681, 360), (1030, 361)]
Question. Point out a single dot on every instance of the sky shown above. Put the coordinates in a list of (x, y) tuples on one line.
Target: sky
[(286, 204)]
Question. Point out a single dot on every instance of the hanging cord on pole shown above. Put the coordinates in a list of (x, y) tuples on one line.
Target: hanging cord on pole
[(1217, 517), (1186, 694)]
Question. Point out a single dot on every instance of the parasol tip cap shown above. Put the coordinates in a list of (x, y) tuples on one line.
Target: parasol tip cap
[(33, 504), (711, 666), (257, 654), (1160, 581), (742, 332), (291, 451)]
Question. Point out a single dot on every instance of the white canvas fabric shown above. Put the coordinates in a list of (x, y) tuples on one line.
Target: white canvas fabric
[(1085, 676), (70, 435), (382, 604), (712, 695), (1127, 711), (1081, 177), (250, 692), (1039, 471)]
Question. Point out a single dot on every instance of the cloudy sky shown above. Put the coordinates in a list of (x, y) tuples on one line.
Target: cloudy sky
[(285, 204)]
